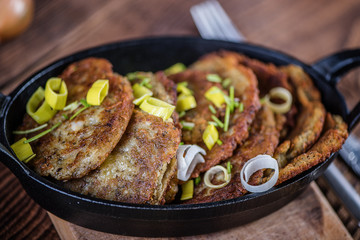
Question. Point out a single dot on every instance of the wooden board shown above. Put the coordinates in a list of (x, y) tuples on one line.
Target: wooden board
[(307, 217)]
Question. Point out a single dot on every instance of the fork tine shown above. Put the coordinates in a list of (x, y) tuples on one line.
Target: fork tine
[(213, 22), (205, 23), (222, 18)]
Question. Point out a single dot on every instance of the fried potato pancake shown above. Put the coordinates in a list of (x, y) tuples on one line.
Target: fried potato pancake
[(310, 119), (80, 145), (263, 139), (245, 85), (333, 137), (137, 171), (142, 167), (201, 114), (269, 76)]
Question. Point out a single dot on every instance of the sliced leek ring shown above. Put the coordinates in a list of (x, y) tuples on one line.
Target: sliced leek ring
[(185, 102), (215, 95), (187, 190), (210, 136), (56, 93), (257, 163), (281, 93), (157, 108), (140, 91), (98, 91), (23, 151), (210, 174), (40, 114), (188, 156)]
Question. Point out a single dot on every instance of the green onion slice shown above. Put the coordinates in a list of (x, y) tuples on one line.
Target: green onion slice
[(22, 150), (187, 190), (283, 94), (40, 114), (56, 93), (188, 156), (211, 173), (227, 118), (157, 107), (211, 77), (187, 125), (42, 133), (176, 68), (257, 163), (31, 130)]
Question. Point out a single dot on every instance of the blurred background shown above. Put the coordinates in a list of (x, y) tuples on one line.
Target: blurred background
[(306, 29)]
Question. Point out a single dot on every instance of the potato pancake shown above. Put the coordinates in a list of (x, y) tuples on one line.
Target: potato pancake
[(82, 144)]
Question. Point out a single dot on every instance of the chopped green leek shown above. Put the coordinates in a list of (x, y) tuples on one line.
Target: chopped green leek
[(65, 116), (181, 143), (210, 136), (31, 130), (22, 150), (132, 76), (176, 68), (241, 107), (139, 91), (72, 106), (40, 114), (197, 180), (183, 89), (181, 114), (218, 122), (226, 83), (185, 102), (187, 190), (187, 125), (42, 133), (56, 93), (146, 82), (215, 95), (157, 108), (219, 142), (213, 123), (232, 97), (212, 109), (227, 118), (98, 91), (229, 167), (211, 77)]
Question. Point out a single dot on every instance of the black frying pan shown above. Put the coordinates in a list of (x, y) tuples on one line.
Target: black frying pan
[(171, 220)]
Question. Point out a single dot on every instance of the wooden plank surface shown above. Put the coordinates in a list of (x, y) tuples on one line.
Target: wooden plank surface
[(308, 217), (306, 29)]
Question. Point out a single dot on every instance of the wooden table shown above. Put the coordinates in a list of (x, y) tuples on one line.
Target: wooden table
[(306, 29)]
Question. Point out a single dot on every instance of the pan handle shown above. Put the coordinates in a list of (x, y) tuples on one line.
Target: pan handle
[(333, 67)]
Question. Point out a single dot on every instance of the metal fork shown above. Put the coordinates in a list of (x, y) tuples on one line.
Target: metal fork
[(213, 23)]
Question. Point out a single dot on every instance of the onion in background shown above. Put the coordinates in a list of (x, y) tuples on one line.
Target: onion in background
[(15, 17)]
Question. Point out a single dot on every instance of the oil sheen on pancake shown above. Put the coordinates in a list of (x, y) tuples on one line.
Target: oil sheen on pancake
[(142, 167), (80, 145)]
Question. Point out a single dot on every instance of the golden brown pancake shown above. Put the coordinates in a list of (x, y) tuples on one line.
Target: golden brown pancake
[(80, 145)]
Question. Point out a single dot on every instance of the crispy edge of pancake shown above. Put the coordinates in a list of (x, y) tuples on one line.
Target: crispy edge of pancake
[(46, 163), (333, 137), (245, 84), (263, 139), (269, 76), (310, 120)]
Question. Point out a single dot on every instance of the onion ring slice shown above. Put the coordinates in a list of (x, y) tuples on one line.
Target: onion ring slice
[(257, 163), (187, 164)]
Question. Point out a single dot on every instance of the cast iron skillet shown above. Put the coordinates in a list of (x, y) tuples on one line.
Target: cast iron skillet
[(172, 220)]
